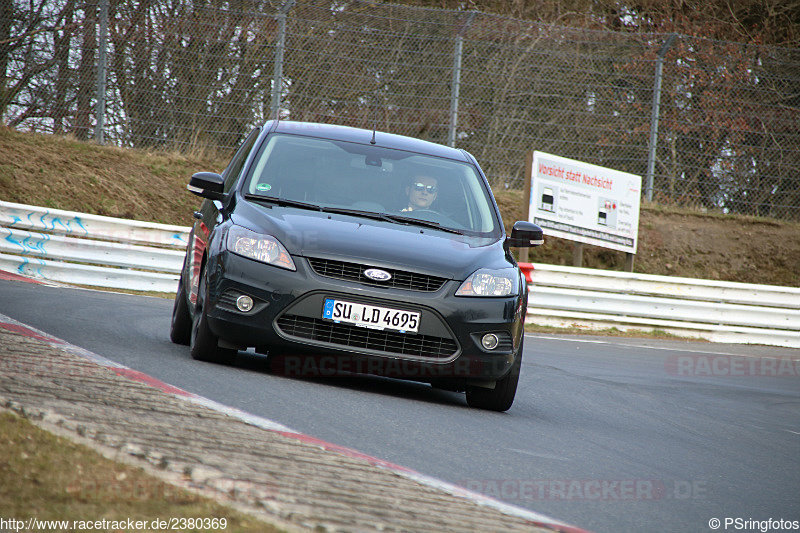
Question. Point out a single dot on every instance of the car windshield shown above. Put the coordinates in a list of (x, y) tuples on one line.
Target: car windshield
[(371, 179)]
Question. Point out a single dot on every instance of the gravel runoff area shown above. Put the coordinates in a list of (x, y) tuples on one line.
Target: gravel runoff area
[(291, 480)]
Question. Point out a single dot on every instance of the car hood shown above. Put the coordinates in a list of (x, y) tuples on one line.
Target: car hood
[(376, 243)]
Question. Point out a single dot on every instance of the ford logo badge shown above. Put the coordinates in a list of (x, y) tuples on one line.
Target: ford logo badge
[(377, 274)]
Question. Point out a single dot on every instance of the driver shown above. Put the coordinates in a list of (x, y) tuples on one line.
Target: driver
[(421, 193)]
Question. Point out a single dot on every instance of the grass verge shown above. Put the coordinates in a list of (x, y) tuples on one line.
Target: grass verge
[(48, 477), (610, 332)]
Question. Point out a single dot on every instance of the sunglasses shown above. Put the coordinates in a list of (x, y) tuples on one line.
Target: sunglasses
[(430, 189)]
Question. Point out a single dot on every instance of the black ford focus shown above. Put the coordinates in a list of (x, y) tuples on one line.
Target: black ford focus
[(345, 250)]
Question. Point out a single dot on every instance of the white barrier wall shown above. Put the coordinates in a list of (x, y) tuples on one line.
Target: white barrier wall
[(714, 310), (92, 250)]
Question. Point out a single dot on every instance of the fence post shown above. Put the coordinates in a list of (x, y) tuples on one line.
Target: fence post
[(651, 156), (278, 70), (102, 62), (456, 83)]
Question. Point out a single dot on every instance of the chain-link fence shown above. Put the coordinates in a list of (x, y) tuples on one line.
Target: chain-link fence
[(708, 124)]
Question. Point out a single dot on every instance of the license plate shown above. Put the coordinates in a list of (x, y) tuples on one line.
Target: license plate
[(371, 316)]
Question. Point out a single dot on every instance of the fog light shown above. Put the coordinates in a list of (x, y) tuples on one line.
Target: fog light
[(244, 303), (490, 341)]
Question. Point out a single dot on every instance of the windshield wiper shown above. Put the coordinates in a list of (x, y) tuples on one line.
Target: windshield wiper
[(421, 222), (359, 213), (397, 219), (283, 202)]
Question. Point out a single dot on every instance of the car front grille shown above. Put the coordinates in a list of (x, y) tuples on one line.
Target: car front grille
[(388, 342), (355, 272)]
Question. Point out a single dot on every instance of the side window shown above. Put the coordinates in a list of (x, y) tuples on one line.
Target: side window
[(231, 174)]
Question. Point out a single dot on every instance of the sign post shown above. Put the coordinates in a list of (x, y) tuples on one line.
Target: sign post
[(585, 203)]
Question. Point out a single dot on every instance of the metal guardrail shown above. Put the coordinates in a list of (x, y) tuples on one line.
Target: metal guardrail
[(718, 311), (92, 250)]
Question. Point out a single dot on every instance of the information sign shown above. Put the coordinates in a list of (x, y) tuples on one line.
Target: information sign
[(584, 202)]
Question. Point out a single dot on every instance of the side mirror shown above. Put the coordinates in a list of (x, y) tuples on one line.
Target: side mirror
[(525, 235), (207, 185)]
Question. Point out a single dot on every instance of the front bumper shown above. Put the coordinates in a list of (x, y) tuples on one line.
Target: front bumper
[(286, 319)]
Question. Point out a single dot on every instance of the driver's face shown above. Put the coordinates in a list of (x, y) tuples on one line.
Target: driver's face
[(419, 193)]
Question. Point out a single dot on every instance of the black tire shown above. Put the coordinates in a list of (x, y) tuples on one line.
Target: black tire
[(203, 342), (502, 396), (180, 330)]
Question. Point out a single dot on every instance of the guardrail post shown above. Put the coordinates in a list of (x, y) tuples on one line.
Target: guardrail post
[(577, 254)]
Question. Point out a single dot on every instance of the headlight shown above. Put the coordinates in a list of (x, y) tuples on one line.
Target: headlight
[(486, 282), (264, 248)]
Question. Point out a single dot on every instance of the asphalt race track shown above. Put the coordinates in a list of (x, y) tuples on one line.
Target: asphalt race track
[(607, 434)]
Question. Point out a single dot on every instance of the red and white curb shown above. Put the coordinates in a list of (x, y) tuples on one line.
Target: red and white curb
[(534, 518), (10, 276)]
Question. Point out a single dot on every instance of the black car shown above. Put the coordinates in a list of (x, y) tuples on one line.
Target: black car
[(335, 250)]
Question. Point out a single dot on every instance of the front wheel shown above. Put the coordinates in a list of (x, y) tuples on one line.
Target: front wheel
[(180, 330), (502, 396), (204, 344)]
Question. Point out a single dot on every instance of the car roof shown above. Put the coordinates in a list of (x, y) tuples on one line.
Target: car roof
[(364, 136)]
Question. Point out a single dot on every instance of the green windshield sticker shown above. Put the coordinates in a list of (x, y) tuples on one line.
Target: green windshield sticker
[(263, 186)]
